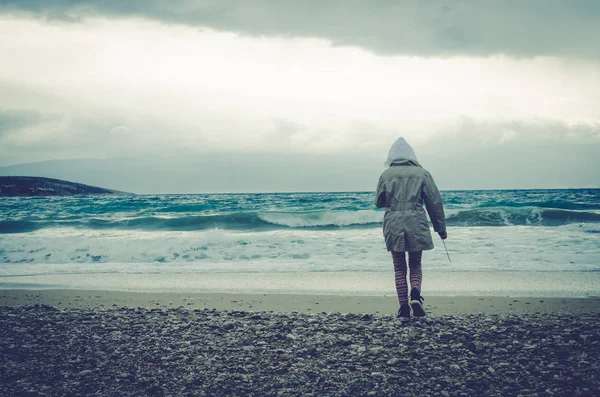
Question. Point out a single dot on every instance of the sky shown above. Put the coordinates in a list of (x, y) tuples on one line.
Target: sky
[(490, 94)]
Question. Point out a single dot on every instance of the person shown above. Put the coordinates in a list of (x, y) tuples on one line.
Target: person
[(402, 189)]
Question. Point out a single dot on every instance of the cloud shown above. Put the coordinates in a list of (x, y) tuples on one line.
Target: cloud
[(11, 120), (213, 84), (30, 135), (545, 155), (518, 132), (478, 154), (464, 154), (433, 28)]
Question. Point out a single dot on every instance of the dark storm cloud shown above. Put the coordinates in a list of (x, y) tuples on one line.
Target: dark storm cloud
[(429, 28)]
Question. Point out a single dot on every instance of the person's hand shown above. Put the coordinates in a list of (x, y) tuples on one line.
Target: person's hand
[(443, 235)]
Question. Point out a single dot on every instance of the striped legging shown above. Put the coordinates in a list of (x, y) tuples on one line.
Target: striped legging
[(416, 275)]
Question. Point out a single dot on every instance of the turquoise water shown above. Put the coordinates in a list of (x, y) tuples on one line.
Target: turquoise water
[(516, 230)]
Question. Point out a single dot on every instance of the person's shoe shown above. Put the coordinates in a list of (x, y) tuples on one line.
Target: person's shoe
[(416, 302), (404, 313)]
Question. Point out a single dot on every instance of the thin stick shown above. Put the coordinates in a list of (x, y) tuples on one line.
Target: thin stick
[(446, 251)]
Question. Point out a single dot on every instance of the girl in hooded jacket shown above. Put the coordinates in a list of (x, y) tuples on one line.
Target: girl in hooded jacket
[(402, 189)]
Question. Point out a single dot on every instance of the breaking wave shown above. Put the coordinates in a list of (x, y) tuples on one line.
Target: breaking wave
[(325, 220)]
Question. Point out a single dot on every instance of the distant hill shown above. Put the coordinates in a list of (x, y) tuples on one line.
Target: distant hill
[(38, 186)]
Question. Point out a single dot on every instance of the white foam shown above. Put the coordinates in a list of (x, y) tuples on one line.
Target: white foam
[(514, 248)]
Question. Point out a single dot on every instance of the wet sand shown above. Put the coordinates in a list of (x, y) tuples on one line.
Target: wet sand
[(377, 284), (287, 303)]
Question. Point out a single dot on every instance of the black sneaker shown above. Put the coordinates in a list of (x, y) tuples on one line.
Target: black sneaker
[(404, 313), (416, 302)]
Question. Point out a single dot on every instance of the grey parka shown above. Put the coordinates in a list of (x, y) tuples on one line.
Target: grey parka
[(402, 189)]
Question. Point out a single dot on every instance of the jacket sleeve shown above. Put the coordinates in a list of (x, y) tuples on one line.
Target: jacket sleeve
[(433, 203), (380, 195)]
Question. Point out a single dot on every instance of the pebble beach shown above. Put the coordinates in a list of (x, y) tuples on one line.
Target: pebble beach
[(161, 351)]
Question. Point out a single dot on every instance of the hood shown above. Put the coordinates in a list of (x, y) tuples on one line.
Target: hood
[(401, 151)]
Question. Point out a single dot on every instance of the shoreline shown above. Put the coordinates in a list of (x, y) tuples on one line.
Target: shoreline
[(528, 284), (290, 303)]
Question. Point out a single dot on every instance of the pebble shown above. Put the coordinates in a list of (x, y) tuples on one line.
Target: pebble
[(393, 361), (145, 351)]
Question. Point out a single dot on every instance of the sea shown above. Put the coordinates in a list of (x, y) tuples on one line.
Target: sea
[(488, 231)]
